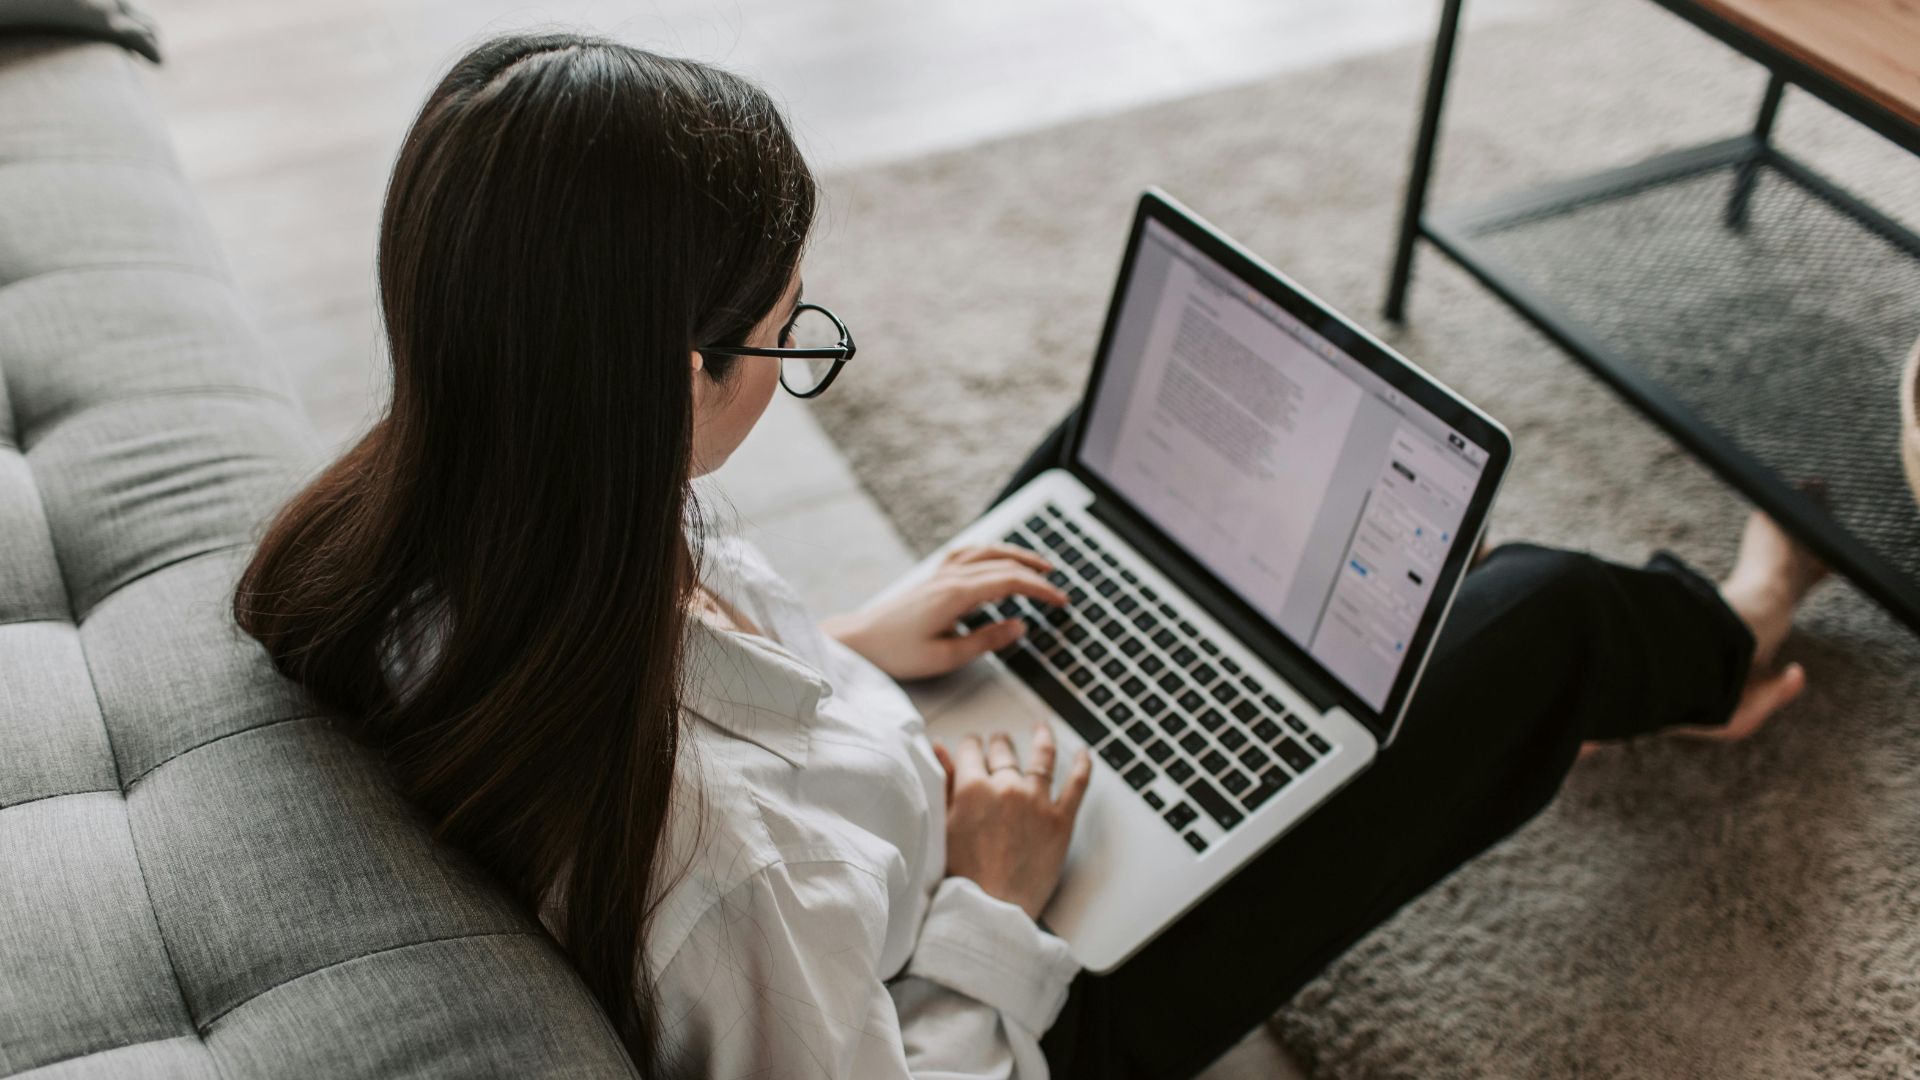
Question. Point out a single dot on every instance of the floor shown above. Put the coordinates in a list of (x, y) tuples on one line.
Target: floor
[(287, 115)]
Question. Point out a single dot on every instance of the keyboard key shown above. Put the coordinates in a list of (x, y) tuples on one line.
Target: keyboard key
[(1129, 578), (1108, 587), (1152, 705), (1215, 762), (1181, 815), (1113, 669), (1184, 657), (1041, 641), (1191, 701), (1195, 841), (1106, 557), (1076, 594), (1211, 719), (1203, 674), (1167, 610), (1093, 613), (1080, 676), (1094, 650), (1251, 684), (1145, 621), (1273, 704), (1296, 723), (1075, 633), (1133, 687), (1072, 527), (1225, 693), (1319, 743), (1266, 730), (1132, 646), (1264, 788), (1294, 755), (1113, 629), (1235, 782), (1139, 732), (1125, 605), (1209, 647), (1070, 556), (1173, 723), (1058, 617), (1036, 523), (1232, 738), (1171, 682), (1116, 753), (1189, 629), (1255, 759), (1058, 578), (1138, 777), (1246, 710), (1148, 594), (1226, 662), (1152, 664), (976, 619), (1194, 743), (1179, 771), (1159, 751), (1153, 799), (1164, 638), (1100, 695), (1214, 803), (1120, 713)]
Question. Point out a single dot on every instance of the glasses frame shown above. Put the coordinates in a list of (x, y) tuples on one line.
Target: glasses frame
[(839, 354)]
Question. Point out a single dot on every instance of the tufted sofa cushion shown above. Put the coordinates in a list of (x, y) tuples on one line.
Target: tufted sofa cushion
[(198, 876)]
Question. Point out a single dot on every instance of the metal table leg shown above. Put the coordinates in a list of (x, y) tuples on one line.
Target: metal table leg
[(1423, 150), (1762, 132)]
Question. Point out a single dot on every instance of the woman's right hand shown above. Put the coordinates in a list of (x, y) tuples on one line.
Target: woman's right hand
[(1005, 830)]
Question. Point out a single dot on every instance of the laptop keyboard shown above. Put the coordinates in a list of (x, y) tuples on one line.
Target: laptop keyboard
[(1181, 722)]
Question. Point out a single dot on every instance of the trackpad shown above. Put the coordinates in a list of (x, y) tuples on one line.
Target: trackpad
[(984, 698)]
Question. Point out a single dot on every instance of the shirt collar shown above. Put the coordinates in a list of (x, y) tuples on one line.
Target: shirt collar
[(752, 688)]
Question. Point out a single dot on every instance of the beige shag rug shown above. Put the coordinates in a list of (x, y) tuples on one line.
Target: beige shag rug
[(1681, 911)]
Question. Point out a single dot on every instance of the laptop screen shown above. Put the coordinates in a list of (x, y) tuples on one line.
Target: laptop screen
[(1326, 499)]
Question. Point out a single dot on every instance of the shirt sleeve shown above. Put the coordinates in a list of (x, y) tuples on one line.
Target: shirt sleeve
[(780, 978)]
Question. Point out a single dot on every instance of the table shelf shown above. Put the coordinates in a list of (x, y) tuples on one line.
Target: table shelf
[(1753, 309)]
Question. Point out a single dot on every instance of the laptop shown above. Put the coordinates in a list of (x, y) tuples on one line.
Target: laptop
[(1262, 520)]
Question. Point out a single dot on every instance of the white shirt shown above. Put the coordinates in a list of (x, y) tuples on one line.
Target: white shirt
[(813, 931)]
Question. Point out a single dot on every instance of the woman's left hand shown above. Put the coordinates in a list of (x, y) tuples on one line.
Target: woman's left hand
[(912, 635)]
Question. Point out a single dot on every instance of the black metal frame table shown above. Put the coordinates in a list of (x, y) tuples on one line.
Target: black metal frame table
[(1872, 534)]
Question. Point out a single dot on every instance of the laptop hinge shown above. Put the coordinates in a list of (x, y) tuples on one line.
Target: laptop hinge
[(1229, 610)]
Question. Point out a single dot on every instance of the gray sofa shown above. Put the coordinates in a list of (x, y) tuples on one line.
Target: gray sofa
[(198, 876)]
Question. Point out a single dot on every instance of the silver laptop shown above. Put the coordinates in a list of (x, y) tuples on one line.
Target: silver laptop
[(1262, 521)]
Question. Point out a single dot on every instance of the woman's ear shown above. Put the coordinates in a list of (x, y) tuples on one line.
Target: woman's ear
[(699, 361)]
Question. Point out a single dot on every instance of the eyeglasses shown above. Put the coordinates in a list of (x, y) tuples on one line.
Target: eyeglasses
[(815, 346)]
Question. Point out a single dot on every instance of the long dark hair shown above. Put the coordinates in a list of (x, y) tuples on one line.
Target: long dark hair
[(567, 219)]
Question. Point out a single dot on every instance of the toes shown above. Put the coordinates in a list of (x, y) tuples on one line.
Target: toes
[(1764, 697)]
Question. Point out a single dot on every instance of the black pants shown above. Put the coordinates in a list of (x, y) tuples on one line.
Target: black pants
[(1544, 649)]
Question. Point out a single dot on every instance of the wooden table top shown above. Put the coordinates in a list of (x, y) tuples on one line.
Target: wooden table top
[(1870, 46)]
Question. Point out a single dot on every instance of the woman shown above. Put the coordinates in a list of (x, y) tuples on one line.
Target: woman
[(730, 815)]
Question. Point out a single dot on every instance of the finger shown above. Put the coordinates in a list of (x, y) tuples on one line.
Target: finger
[(981, 552), (992, 637), (990, 582), (1041, 751), (1076, 789), (1000, 753), (969, 763), (946, 766)]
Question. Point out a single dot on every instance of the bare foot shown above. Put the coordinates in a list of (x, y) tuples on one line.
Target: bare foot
[(1772, 575)]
